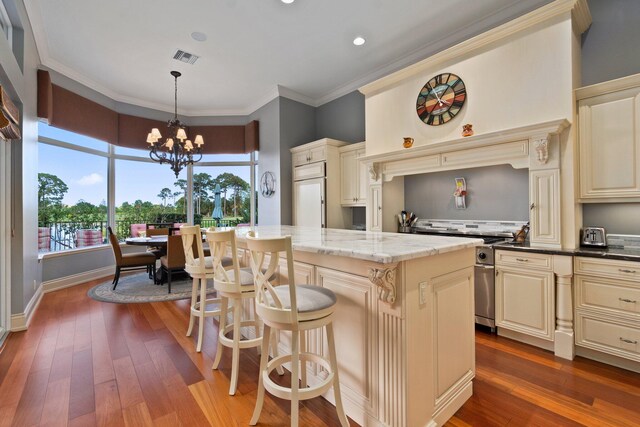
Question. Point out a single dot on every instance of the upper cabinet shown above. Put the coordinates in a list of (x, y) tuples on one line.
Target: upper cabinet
[(353, 175), (609, 135), (313, 154)]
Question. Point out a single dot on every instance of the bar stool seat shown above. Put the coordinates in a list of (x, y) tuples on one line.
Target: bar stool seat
[(295, 308), (200, 268)]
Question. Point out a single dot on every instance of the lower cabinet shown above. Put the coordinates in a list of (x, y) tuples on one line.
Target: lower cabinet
[(525, 297), (607, 295)]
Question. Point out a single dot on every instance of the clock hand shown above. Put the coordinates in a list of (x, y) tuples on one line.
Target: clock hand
[(437, 97)]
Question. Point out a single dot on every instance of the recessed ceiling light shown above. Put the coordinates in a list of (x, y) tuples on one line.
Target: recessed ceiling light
[(198, 36), (358, 41), (287, 1)]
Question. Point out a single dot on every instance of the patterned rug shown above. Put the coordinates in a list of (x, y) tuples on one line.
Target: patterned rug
[(139, 288)]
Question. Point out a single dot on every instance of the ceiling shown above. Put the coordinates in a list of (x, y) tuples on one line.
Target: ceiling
[(255, 49)]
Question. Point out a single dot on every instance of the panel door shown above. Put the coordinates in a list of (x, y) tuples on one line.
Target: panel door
[(544, 196), (374, 208), (348, 178), (610, 145), (309, 207), (300, 158), (525, 301)]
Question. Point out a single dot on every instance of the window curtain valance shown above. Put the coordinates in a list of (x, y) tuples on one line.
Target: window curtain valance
[(66, 110)]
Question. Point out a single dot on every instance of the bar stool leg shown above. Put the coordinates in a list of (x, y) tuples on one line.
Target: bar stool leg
[(333, 360), (295, 376), (266, 338), (274, 350), (203, 306), (224, 303), (194, 299), (235, 358), (256, 324), (303, 367)]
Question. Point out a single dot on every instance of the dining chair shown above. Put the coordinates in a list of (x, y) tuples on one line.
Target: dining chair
[(173, 260), (131, 261), (232, 284), (200, 268), (295, 308)]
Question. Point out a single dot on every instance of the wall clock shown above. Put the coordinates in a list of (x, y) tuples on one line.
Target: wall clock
[(267, 184), (441, 99)]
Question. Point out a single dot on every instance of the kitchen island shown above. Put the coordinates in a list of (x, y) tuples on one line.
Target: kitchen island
[(404, 324)]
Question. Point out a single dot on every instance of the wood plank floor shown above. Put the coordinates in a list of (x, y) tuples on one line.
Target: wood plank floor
[(85, 363)]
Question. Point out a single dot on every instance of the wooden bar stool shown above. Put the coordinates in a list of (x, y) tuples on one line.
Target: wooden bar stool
[(200, 268), (235, 285), (296, 309)]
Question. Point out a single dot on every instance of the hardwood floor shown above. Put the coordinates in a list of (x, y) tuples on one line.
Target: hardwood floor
[(84, 363)]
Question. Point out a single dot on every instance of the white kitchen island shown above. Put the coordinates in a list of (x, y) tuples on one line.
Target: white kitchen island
[(404, 325)]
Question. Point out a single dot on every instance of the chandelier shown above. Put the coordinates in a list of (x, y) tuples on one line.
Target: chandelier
[(177, 150)]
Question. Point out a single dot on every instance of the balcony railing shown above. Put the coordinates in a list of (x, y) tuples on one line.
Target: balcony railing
[(60, 236)]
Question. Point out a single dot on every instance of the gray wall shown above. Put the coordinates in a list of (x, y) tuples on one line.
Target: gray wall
[(493, 193), (610, 51), (342, 118)]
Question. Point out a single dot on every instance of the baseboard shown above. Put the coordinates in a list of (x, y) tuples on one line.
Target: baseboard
[(76, 279), (20, 321)]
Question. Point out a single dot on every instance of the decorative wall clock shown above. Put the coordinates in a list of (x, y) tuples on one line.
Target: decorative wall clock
[(441, 99), (267, 184)]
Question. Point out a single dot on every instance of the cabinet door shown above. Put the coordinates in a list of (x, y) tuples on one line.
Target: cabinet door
[(309, 206), (300, 158), (374, 208), (544, 196), (610, 145), (348, 178), (363, 180), (525, 301), (318, 154)]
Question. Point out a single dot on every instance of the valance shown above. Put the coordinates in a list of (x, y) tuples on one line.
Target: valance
[(67, 110)]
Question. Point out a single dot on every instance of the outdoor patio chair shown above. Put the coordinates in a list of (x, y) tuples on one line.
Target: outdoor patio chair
[(44, 239), (132, 261), (88, 237), (137, 228)]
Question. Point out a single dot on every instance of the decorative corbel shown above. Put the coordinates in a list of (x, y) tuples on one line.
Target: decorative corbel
[(373, 171), (385, 280), (542, 149)]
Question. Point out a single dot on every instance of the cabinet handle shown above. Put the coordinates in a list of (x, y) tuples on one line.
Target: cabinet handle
[(624, 270), (532, 206), (379, 208), (627, 300), (628, 341), (522, 260)]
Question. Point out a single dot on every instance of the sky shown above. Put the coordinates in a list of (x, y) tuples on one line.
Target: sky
[(86, 174)]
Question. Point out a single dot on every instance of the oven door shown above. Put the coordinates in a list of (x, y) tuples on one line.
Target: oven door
[(485, 295)]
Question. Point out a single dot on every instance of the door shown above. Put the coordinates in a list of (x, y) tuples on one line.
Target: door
[(309, 203), (544, 195), (5, 239)]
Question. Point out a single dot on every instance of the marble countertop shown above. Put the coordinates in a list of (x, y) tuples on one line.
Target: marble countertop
[(384, 248)]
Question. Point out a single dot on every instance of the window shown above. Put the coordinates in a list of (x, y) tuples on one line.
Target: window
[(71, 199), (74, 194)]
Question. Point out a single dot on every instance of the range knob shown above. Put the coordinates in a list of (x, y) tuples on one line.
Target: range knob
[(482, 255)]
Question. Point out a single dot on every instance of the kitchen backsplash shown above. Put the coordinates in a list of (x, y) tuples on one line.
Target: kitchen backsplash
[(480, 226), (623, 241)]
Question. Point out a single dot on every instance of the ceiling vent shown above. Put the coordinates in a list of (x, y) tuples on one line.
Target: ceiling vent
[(187, 57)]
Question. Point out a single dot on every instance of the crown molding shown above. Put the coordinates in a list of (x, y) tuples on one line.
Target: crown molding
[(609, 86), (508, 29)]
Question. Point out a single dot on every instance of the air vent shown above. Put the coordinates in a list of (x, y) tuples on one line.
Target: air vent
[(187, 57)]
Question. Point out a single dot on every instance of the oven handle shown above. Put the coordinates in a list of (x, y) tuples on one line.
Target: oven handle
[(486, 267)]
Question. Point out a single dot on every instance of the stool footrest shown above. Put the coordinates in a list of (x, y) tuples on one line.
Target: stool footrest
[(303, 393), (244, 343)]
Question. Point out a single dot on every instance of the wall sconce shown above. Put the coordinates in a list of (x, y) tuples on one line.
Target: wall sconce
[(460, 193)]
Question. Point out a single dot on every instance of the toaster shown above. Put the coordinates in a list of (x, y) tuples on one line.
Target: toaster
[(593, 236)]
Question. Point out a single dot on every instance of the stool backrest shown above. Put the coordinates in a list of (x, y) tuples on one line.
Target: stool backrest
[(264, 256), (219, 243), (195, 262)]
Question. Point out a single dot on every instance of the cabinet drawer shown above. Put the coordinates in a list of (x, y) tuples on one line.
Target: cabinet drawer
[(609, 295), (314, 170), (615, 269), (524, 259), (604, 334)]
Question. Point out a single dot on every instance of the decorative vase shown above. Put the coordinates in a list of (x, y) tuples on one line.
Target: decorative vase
[(408, 142), (467, 130)]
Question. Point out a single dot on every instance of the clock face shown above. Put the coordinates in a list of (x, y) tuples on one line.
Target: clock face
[(441, 99)]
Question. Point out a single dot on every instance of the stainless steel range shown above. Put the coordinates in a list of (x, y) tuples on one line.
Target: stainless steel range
[(492, 232)]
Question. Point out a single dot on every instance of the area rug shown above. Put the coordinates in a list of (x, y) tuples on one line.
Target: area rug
[(138, 287)]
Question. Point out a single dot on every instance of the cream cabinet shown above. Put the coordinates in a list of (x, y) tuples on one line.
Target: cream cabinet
[(353, 175), (609, 140), (374, 210), (525, 298), (316, 185), (544, 198), (607, 295)]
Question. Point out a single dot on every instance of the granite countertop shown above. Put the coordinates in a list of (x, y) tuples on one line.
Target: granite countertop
[(374, 246), (610, 252)]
